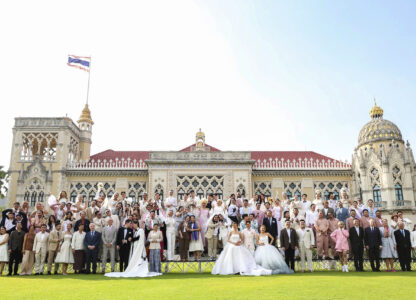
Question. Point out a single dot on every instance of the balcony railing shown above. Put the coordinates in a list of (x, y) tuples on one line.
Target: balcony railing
[(305, 164), (117, 164)]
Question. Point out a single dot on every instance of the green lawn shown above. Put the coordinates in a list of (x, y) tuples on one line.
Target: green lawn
[(319, 285)]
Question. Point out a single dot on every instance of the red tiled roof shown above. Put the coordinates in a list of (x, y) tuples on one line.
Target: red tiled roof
[(112, 155), (288, 155), (255, 155), (188, 149)]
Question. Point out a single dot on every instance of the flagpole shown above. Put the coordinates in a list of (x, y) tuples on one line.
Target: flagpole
[(88, 86)]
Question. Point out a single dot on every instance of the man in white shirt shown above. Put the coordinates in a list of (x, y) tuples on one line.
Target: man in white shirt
[(296, 219), (306, 204), (311, 216), (245, 209), (332, 201), (170, 223), (194, 199), (170, 202)]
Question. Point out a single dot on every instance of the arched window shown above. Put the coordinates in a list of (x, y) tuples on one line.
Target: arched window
[(181, 192), (26, 196), (84, 196), (326, 195), (336, 195), (40, 197), (159, 189), (377, 195), (200, 193), (241, 190), (289, 194), (73, 196), (91, 195), (399, 194), (33, 199), (297, 193)]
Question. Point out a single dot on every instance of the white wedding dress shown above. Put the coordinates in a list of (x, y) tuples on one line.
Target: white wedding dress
[(237, 259), (270, 258), (65, 256), (138, 265)]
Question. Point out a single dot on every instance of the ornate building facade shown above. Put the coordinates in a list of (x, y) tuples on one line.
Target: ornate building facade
[(53, 154)]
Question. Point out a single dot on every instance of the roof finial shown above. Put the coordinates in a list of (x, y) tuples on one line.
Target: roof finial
[(376, 112)]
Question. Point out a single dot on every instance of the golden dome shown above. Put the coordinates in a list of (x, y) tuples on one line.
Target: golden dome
[(378, 129), (200, 135), (86, 116), (376, 111)]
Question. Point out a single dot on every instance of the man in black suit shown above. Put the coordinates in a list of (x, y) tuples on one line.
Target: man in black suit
[(357, 244), (15, 245), (372, 239), (404, 247), (92, 241), (271, 224), (124, 237), (289, 243), (8, 220)]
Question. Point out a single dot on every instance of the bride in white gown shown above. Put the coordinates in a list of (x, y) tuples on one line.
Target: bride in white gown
[(138, 265), (268, 256), (235, 258)]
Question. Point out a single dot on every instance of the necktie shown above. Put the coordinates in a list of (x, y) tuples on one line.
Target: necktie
[(403, 232)]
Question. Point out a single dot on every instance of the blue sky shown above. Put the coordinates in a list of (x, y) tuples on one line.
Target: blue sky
[(324, 61), (254, 75)]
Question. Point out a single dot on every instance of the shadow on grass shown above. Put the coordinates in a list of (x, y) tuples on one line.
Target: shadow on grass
[(184, 276)]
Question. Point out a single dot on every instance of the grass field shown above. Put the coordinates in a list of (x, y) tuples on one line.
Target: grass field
[(319, 285)]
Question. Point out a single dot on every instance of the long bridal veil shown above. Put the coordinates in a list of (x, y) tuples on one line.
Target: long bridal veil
[(138, 265)]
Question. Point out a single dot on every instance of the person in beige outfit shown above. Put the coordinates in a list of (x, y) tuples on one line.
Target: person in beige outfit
[(40, 246), (55, 238), (155, 237), (306, 243)]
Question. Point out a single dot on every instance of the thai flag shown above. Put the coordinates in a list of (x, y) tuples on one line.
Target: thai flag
[(80, 62)]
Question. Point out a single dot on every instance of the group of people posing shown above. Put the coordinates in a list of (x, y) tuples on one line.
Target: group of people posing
[(257, 236)]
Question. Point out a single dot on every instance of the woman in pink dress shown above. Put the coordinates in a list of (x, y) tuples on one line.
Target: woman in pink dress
[(203, 219), (340, 238)]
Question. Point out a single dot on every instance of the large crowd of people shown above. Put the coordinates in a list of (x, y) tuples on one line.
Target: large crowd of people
[(266, 234)]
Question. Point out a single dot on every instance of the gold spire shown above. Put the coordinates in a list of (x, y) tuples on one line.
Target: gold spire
[(86, 115), (376, 111), (200, 135)]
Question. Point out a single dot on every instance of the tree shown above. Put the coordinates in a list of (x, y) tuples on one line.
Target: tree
[(4, 179)]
